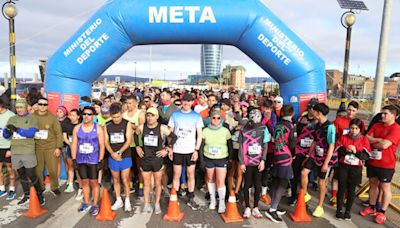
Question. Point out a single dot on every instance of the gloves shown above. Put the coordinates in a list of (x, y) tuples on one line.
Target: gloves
[(12, 128), (74, 164), (8, 132), (100, 165)]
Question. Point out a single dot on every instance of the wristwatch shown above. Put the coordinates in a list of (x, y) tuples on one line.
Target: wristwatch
[(119, 153)]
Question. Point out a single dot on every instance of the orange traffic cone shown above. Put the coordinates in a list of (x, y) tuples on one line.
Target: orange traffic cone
[(106, 213), (173, 214), (46, 180), (232, 213), (266, 199), (35, 210), (300, 214)]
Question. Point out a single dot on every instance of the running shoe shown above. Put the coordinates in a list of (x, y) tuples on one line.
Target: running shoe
[(307, 197), (140, 192), (61, 182), (247, 213), (84, 207), (157, 209), (192, 204), (69, 188), (333, 201), (339, 215), (24, 200), (221, 207), (266, 199), (207, 196), (146, 209), (3, 193), (256, 213), (365, 203), (213, 205), (380, 218), (280, 212), (117, 205), (318, 212), (273, 216), (292, 202), (11, 195), (56, 192), (42, 201), (79, 194), (128, 207), (347, 216), (94, 210), (368, 211)]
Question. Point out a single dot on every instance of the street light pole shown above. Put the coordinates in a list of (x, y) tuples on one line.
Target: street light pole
[(348, 19), (9, 12)]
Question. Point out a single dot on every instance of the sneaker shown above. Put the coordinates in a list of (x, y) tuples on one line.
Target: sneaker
[(318, 212), (79, 194), (56, 192), (132, 190), (347, 216), (307, 197), (266, 199), (207, 196), (3, 193), (339, 215), (42, 201), (146, 209), (157, 209), (333, 201), (69, 188), (247, 213), (61, 182), (24, 200), (192, 204), (273, 216), (256, 213), (140, 192), (367, 211), (169, 186), (94, 210), (315, 186), (221, 207), (365, 203), (280, 212), (127, 207), (11, 195), (380, 218), (213, 205), (117, 205), (84, 207), (181, 193), (292, 202)]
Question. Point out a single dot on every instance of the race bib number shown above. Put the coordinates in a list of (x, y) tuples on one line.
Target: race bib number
[(319, 151), (42, 134), (182, 132), (17, 136), (351, 159), (306, 142), (86, 148), (117, 137), (254, 149), (346, 131), (215, 151), (150, 140), (376, 154)]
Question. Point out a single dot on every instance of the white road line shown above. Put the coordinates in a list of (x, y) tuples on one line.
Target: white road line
[(342, 224), (12, 211), (137, 220), (66, 215)]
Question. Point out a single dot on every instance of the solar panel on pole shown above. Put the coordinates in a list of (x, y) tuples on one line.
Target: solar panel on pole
[(349, 4)]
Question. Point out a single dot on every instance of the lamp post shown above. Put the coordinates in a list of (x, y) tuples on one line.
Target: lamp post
[(135, 73), (9, 12), (348, 19)]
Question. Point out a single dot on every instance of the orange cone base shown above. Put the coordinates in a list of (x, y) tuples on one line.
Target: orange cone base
[(305, 218), (173, 219), (36, 214), (229, 220), (108, 217)]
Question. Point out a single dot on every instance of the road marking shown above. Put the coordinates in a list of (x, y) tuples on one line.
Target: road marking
[(12, 211), (66, 215), (138, 219), (337, 223)]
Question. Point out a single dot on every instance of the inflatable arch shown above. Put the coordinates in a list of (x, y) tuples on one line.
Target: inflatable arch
[(247, 24)]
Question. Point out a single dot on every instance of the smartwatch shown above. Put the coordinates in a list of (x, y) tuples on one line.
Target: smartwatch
[(119, 153)]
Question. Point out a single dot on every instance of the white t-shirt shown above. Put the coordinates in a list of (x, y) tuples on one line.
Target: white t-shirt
[(185, 126), (199, 108)]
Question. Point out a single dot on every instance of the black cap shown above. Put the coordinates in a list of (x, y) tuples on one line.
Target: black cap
[(312, 102), (187, 97)]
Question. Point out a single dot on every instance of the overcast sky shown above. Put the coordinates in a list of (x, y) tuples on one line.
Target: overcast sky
[(42, 26)]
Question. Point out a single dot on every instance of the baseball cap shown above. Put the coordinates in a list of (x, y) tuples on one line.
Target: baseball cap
[(152, 110), (21, 103), (105, 109), (187, 97), (278, 100), (313, 101), (225, 95)]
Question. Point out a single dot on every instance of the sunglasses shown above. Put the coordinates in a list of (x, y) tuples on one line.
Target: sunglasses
[(277, 102), (178, 104), (42, 104), (216, 118), (87, 114)]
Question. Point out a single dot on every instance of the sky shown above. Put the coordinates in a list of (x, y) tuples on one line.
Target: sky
[(43, 26)]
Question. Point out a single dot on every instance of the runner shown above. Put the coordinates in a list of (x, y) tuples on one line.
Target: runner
[(217, 151), (5, 154), (87, 156), (21, 128), (187, 125), (48, 145), (118, 138), (384, 138), (152, 155), (253, 139), (322, 155), (352, 148)]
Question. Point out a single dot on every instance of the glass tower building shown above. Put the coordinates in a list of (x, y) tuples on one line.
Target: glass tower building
[(211, 59)]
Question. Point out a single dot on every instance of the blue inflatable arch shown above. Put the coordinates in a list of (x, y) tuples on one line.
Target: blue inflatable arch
[(247, 24)]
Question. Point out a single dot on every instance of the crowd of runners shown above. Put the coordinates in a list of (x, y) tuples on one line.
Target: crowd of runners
[(146, 141)]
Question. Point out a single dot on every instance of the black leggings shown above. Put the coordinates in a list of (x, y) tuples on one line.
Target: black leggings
[(278, 188), (297, 167), (252, 177), (349, 178), (24, 173)]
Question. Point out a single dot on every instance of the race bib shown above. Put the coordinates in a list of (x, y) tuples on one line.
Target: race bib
[(346, 131), (17, 136), (351, 159), (254, 149), (86, 148), (150, 140), (1, 132), (117, 137), (215, 151), (306, 142), (182, 132), (42, 134), (319, 151), (376, 154)]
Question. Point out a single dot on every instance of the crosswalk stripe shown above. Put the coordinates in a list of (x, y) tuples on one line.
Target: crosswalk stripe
[(11, 212), (138, 219)]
